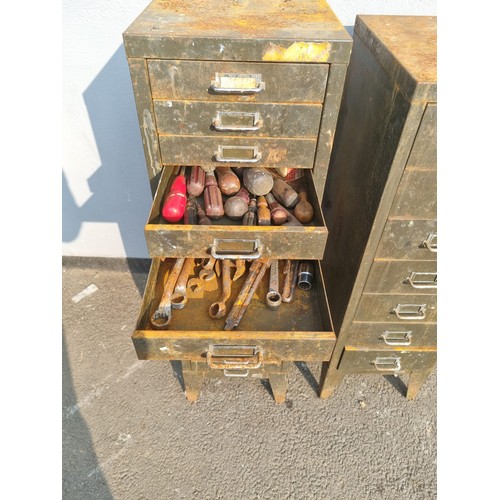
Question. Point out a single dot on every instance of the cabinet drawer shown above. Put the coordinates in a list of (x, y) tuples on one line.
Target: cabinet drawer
[(416, 196), (264, 370), (237, 151), (385, 308), (299, 330), (358, 360), (388, 335), (407, 276), (408, 239), (237, 81), (284, 242), (237, 118), (424, 150)]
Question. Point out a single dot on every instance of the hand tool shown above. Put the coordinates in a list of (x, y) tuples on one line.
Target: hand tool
[(175, 202), (240, 269), (190, 211), (203, 220), (212, 196), (273, 297), (263, 212), (229, 183), (179, 296), (196, 182), (236, 206), (303, 211), (196, 284), (290, 273), (291, 220), (305, 275), (258, 181), (284, 193), (163, 314), (278, 214), (254, 277), (208, 273), (250, 218), (218, 309)]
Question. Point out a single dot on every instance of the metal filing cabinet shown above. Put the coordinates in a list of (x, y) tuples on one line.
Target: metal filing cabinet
[(281, 66), (380, 264)]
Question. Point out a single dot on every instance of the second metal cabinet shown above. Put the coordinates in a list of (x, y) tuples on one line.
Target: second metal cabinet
[(237, 84)]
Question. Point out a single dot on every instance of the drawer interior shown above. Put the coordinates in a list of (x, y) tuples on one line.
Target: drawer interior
[(308, 312)]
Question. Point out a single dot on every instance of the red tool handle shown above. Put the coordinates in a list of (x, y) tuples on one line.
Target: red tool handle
[(175, 203)]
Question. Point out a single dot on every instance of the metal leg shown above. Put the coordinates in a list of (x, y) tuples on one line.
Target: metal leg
[(279, 383), (330, 379), (415, 383), (193, 380)]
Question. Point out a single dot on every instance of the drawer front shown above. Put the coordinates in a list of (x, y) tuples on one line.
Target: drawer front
[(300, 330), (240, 118), (277, 242), (424, 150), (408, 239), (407, 276), (355, 360), (397, 308), (246, 371), (237, 81), (390, 335), (416, 196), (237, 151)]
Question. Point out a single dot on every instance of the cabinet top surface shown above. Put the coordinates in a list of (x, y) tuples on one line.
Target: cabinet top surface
[(251, 19), (408, 41)]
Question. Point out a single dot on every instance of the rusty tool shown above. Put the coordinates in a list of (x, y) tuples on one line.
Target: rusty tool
[(255, 275), (203, 220), (229, 183), (163, 314), (179, 296), (290, 273), (284, 193), (303, 211), (208, 273), (250, 218), (218, 309), (273, 297), (240, 269), (258, 181), (196, 284), (212, 196), (190, 212), (263, 212), (236, 206), (196, 182), (305, 275), (278, 213)]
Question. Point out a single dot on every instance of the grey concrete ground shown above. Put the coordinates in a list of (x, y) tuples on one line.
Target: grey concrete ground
[(129, 433)]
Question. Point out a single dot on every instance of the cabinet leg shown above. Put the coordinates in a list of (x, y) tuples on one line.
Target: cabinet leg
[(193, 380), (415, 383), (329, 380), (279, 386)]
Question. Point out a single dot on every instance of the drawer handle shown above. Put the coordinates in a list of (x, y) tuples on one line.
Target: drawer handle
[(397, 338), (387, 364), (236, 249), (422, 280), (410, 311), (430, 242), (229, 121), (238, 154), (232, 357), (237, 83), (236, 373)]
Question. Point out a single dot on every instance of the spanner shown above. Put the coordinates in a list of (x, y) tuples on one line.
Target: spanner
[(273, 297), (290, 280), (179, 297), (208, 273), (218, 309)]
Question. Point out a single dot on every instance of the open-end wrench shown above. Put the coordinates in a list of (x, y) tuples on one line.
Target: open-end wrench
[(208, 273), (240, 269), (290, 280), (218, 309), (179, 297), (163, 314), (273, 297), (196, 284)]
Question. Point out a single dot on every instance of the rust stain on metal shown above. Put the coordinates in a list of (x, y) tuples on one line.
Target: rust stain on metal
[(298, 52), (277, 155)]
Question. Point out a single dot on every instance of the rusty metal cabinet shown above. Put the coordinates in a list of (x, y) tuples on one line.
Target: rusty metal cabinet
[(237, 84), (380, 205)]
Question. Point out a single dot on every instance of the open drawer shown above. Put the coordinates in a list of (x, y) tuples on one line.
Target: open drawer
[(229, 237), (300, 330)]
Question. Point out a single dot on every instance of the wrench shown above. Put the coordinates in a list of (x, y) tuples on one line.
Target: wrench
[(163, 315), (290, 280), (196, 285), (208, 273), (273, 297), (218, 309), (240, 269), (179, 297)]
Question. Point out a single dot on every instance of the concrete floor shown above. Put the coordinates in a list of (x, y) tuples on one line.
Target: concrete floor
[(129, 433)]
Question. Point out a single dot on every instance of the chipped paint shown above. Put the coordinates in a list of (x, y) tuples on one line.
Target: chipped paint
[(298, 52), (149, 129)]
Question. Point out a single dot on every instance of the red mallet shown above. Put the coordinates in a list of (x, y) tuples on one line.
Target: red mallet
[(175, 202)]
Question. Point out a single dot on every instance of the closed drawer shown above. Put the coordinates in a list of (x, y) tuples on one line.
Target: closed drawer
[(231, 369), (388, 335), (416, 196), (237, 118), (237, 81), (357, 360), (397, 308), (408, 239), (237, 151), (179, 240), (424, 150), (407, 276), (299, 330)]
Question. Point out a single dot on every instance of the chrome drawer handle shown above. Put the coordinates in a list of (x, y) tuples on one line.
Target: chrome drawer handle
[(430, 243), (236, 373), (236, 249), (234, 357), (422, 280), (387, 364), (238, 154), (396, 338), (235, 121), (410, 311), (237, 83)]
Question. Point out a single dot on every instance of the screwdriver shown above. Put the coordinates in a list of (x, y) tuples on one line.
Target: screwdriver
[(175, 203)]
